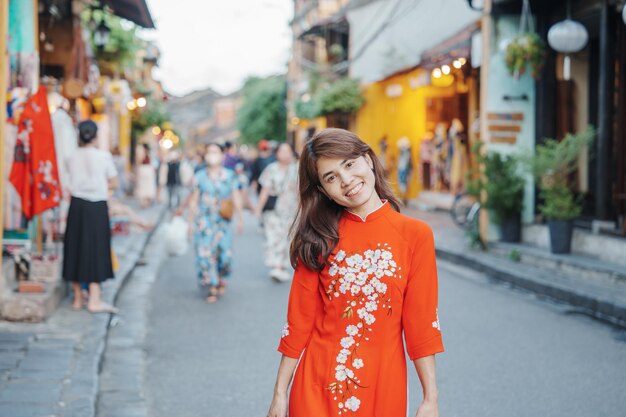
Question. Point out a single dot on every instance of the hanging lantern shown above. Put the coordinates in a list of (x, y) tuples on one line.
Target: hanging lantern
[(567, 37), (101, 35)]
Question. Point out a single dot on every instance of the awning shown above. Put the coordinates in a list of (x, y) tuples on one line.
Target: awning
[(337, 23), (457, 46), (134, 10)]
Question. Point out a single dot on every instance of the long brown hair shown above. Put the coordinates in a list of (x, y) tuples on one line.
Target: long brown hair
[(315, 229)]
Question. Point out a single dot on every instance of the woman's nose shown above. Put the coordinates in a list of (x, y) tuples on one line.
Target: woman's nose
[(346, 178)]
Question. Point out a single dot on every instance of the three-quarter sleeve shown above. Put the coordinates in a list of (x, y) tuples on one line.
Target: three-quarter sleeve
[(420, 319), (304, 305)]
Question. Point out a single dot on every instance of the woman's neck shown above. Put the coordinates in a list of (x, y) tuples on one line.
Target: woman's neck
[(373, 204), (214, 169)]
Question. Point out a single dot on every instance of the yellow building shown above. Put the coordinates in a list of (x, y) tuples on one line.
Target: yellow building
[(409, 105)]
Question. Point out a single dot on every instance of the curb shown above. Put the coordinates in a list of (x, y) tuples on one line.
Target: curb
[(602, 308), (92, 354)]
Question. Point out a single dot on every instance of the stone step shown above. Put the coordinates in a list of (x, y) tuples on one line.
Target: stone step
[(582, 267), (597, 299)]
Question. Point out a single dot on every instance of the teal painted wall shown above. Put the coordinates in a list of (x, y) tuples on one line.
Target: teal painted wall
[(500, 83)]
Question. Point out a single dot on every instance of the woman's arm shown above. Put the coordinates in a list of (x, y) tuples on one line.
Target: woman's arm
[(113, 183), (426, 372), (185, 204), (279, 405), (238, 205), (265, 194)]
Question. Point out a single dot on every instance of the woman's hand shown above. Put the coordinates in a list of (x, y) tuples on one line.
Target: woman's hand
[(279, 406), (428, 409), (239, 226)]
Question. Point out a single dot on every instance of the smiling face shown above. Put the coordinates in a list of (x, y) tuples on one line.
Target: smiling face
[(349, 183)]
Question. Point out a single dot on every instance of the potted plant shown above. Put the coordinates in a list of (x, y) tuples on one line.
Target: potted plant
[(551, 165), (504, 189), (526, 49)]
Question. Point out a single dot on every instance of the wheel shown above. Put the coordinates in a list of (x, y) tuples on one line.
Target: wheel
[(461, 207)]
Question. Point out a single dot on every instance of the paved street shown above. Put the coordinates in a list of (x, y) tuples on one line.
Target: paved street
[(508, 354)]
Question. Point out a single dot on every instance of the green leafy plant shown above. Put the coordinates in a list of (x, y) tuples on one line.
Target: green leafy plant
[(154, 114), (307, 109), (263, 113), (120, 52), (343, 96), (336, 50), (551, 165), (560, 203), (515, 255), (474, 181), (524, 50), (504, 187)]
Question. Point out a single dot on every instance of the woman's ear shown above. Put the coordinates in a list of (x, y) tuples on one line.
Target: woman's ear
[(369, 161)]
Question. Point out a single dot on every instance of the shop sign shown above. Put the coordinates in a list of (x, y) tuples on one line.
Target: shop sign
[(504, 127), (393, 90)]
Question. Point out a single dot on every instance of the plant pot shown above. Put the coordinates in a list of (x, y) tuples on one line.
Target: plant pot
[(511, 229), (560, 235)]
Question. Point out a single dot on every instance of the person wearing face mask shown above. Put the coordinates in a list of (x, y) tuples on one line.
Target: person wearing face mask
[(277, 205), (213, 203)]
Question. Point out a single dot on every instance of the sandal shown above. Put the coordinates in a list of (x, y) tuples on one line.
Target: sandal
[(213, 293), (221, 288)]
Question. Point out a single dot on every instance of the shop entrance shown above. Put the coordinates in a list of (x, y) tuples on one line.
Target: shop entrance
[(445, 154)]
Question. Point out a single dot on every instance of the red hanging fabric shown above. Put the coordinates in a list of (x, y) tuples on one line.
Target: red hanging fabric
[(34, 173)]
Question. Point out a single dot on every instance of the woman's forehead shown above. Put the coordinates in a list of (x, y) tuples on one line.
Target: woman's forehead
[(325, 164)]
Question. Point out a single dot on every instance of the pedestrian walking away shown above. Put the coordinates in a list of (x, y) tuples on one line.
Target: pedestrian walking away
[(213, 203), (277, 205), (365, 276), (146, 184), (87, 247), (173, 179)]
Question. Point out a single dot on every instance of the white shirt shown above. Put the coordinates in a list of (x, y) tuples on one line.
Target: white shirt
[(90, 170)]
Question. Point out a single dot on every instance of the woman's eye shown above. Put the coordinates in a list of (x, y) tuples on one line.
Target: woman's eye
[(349, 164), (330, 179)]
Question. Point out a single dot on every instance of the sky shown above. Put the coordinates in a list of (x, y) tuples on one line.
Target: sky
[(219, 43)]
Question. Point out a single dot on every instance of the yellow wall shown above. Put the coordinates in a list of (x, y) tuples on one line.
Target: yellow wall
[(400, 116)]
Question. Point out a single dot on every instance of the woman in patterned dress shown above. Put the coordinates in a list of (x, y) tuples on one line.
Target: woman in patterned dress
[(280, 180), (365, 279), (213, 187)]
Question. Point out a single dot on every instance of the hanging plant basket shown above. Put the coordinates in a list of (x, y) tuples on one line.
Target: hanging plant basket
[(526, 50)]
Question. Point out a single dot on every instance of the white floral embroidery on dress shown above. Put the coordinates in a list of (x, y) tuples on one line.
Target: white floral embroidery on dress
[(285, 330), (436, 324), (358, 276)]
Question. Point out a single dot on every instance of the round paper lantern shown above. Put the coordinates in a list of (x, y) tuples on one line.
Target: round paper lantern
[(568, 36)]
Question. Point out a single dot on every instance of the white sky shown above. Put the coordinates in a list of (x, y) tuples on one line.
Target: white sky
[(218, 43)]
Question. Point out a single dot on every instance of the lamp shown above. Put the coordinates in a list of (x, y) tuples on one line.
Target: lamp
[(567, 36), (101, 35), (624, 14)]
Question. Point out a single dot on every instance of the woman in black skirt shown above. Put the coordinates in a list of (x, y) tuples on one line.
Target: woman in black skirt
[(87, 249)]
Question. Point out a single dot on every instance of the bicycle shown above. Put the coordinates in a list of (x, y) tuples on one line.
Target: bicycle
[(465, 212)]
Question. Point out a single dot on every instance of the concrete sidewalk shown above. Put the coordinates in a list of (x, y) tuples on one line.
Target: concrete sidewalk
[(51, 368), (592, 287)]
